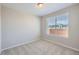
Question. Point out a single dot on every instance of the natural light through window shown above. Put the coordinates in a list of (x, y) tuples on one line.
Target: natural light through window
[(58, 25)]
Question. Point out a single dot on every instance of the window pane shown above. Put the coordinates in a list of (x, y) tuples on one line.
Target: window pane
[(58, 25), (51, 22)]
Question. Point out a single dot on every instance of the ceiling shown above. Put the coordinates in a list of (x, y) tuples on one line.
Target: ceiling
[(31, 9)]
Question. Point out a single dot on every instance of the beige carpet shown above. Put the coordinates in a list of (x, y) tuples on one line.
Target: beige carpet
[(40, 47)]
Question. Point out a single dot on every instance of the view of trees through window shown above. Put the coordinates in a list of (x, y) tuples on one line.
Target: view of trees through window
[(58, 25)]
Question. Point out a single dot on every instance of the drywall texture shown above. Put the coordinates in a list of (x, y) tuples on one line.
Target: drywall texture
[(73, 39), (18, 28)]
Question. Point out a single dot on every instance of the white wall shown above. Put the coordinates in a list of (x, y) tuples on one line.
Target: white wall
[(18, 28), (0, 28), (73, 40)]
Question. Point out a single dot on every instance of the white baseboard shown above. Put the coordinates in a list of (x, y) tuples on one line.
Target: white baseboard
[(62, 45), (19, 45)]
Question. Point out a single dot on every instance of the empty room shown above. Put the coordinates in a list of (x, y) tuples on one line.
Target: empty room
[(39, 29)]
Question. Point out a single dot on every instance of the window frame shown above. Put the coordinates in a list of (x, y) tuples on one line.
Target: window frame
[(67, 14)]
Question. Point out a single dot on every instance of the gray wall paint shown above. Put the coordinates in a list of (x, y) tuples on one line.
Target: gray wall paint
[(18, 27), (73, 40), (0, 28)]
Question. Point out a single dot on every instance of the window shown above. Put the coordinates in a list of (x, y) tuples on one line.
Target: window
[(58, 25)]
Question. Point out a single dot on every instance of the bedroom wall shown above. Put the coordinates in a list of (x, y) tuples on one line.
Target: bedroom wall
[(73, 39), (18, 28), (0, 28)]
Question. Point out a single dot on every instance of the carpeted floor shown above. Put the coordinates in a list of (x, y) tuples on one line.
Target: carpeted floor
[(40, 47)]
